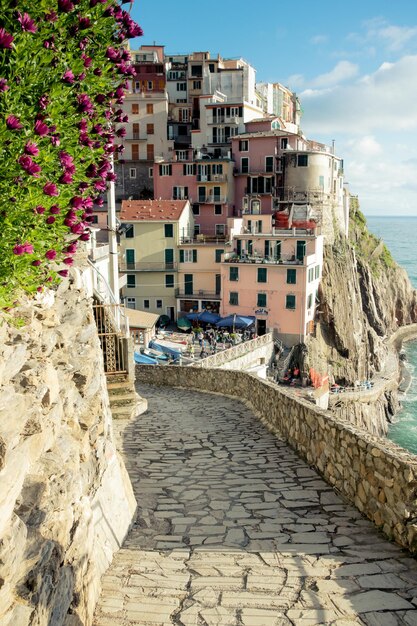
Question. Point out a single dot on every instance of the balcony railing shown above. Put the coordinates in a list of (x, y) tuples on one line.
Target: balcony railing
[(148, 267), (305, 196), (212, 178), (284, 259), (136, 137), (211, 199), (198, 294), (205, 238)]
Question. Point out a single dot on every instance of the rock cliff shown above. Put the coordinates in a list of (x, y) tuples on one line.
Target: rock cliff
[(66, 502), (364, 297)]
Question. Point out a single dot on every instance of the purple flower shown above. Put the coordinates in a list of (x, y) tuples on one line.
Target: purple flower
[(5, 39), (77, 202), (51, 254), (65, 6), (87, 62), (83, 43), (31, 148), (111, 176), (68, 77), (84, 22), (13, 122), (25, 248), (65, 159), (29, 165), (39, 209), (68, 261), (71, 249), (84, 104), (85, 237), (78, 229), (99, 201), (83, 125), (55, 210), (82, 187), (36, 263), (63, 273), (26, 22), (43, 101), (81, 76), (97, 71), (3, 85), (65, 178), (55, 139), (41, 128), (100, 98), (112, 54), (121, 132), (50, 219), (52, 16), (100, 186), (49, 43), (50, 189)]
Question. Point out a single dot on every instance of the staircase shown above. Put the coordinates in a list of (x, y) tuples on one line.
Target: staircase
[(125, 402)]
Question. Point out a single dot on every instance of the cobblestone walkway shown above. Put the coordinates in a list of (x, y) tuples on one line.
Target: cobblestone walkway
[(234, 529)]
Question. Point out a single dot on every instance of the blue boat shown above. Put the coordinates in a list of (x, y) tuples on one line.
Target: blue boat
[(142, 359), (161, 348)]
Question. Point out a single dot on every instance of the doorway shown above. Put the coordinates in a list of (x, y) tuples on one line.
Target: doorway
[(261, 327)]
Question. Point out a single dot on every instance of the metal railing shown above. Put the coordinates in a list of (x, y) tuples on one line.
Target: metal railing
[(284, 259), (218, 359), (198, 294), (148, 267), (113, 342)]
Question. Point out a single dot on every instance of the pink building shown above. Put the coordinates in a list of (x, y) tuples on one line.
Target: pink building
[(274, 275), (207, 182)]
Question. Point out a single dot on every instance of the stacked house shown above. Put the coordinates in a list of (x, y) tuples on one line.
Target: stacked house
[(247, 197)]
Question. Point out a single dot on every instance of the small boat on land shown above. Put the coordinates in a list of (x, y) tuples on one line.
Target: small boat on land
[(143, 359), (167, 348), (155, 354)]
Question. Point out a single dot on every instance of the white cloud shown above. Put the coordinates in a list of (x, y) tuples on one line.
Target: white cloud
[(341, 72), (319, 39), (392, 37), (366, 146)]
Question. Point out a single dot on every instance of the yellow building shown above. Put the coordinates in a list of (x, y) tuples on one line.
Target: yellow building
[(149, 253)]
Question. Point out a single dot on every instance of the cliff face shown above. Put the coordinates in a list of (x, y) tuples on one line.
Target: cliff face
[(66, 501), (364, 297)]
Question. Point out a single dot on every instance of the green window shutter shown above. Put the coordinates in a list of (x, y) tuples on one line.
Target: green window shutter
[(262, 275), (181, 256), (291, 277), (233, 273), (218, 257), (261, 301), (266, 248), (194, 256), (290, 302)]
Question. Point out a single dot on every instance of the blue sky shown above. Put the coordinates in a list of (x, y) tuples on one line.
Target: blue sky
[(353, 64)]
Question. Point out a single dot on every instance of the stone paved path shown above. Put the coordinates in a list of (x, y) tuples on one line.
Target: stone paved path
[(234, 529)]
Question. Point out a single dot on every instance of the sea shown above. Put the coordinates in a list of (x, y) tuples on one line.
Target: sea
[(400, 236)]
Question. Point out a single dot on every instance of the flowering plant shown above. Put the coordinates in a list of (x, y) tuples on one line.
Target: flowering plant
[(64, 66)]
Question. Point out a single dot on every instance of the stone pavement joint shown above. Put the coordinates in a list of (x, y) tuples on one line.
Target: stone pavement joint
[(234, 529)]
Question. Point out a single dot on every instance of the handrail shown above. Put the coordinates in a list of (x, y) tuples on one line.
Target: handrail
[(225, 356), (120, 318)]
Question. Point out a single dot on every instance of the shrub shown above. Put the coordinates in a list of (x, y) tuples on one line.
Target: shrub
[(63, 70)]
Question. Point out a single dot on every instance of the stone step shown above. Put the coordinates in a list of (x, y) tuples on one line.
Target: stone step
[(126, 398), (130, 410), (116, 392)]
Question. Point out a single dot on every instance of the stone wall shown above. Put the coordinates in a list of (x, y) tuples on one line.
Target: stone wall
[(373, 473), (66, 502)]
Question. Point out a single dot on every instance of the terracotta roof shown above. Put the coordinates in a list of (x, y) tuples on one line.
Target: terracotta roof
[(151, 210)]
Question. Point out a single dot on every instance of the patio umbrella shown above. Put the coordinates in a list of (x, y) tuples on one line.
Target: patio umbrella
[(236, 321), (183, 323), (164, 320), (204, 316)]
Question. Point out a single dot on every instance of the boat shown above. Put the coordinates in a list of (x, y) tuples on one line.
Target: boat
[(161, 346), (143, 359), (155, 354)]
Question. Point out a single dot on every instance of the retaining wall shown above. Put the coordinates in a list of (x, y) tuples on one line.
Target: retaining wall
[(376, 475)]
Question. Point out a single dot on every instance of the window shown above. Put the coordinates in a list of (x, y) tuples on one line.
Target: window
[(150, 152), (180, 193), (146, 304), (196, 84), (217, 209), (130, 258), (310, 301), (234, 111), (159, 304), (135, 152), (149, 85), (150, 172), (131, 280), (188, 169), (302, 160), (196, 209), (149, 109), (261, 301), (135, 108), (132, 172), (233, 274), (95, 219), (291, 277), (243, 145), (284, 143), (169, 230), (184, 115), (188, 256), (321, 182), (311, 274), (150, 129), (211, 68), (181, 86), (269, 164), (217, 168), (169, 280), (181, 155), (234, 297), (131, 303), (196, 229), (220, 230), (317, 271), (136, 130), (218, 255), (262, 275), (244, 165), (165, 170), (129, 232), (290, 302)]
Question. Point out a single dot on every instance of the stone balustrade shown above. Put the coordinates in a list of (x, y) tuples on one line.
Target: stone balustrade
[(378, 476)]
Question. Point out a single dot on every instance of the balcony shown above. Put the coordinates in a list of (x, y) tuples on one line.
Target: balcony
[(136, 137), (284, 259), (205, 238), (148, 267), (212, 200), (198, 294), (213, 178), (222, 119)]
